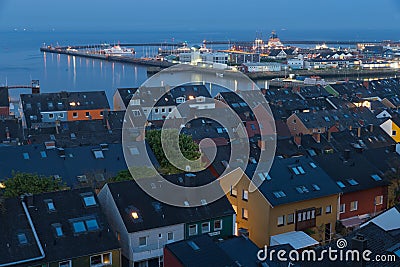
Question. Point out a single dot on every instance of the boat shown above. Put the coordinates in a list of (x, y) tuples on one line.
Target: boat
[(117, 50)]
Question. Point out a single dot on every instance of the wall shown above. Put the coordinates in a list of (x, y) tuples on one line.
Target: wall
[(170, 260), (227, 227), (365, 200), (95, 114)]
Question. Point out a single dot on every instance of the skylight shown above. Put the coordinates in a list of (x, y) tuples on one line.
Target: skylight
[(92, 224), (22, 239), (135, 215), (193, 245), (294, 169), (50, 205), (79, 227), (376, 177), (134, 151), (340, 184), (301, 169), (312, 164), (25, 155), (43, 154), (59, 231), (316, 187), (352, 182), (279, 194), (89, 200), (98, 154)]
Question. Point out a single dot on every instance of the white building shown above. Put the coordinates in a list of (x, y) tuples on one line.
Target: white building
[(296, 63), (262, 67)]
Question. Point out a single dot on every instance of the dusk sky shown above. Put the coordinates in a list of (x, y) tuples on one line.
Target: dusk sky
[(43, 15)]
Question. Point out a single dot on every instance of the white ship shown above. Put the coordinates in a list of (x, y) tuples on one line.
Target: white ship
[(116, 50)]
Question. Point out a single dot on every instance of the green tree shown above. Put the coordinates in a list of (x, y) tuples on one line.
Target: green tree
[(135, 172), (188, 147), (22, 183)]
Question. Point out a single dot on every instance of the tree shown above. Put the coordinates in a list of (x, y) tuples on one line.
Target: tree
[(22, 183), (134, 173), (187, 146)]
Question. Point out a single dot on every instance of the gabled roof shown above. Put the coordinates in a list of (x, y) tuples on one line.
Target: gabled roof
[(190, 90), (200, 251), (353, 172), (4, 101), (126, 94), (388, 220), (67, 207), (153, 214), (299, 179)]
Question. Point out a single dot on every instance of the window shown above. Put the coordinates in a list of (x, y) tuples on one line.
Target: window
[(342, 208), (87, 114), (299, 218), (253, 127), (376, 177), (92, 224), (312, 164), (156, 111), (192, 229), (233, 191), (205, 227), (394, 133), (64, 264), (340, 184), (61, 115), (22, 239), (74, 114), (163, 110), (279, 194), (50, 205), (142, 241), (352, 182), (281, 220), (354, 205), (58, 230), (318, 211), (89, 200), (136, 113), (101, 113), (170, 110), (51, 115), (217, 225), (328, 209), (316, 187), (290, 218), (43, 154), (378, 200), (170, 236), (25, 155), (99, 260), (79, 227), (245, 195), (245, 213)]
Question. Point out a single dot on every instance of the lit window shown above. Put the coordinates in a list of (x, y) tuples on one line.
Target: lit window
[(135, 215), (89, 200), (378, 200), (354, 205), (205, 227), (99, 260), (192, 229), (218, 225), (281, 220), (142, 241)]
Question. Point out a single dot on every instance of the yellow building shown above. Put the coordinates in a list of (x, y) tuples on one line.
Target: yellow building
[(391, 127), (296, 195)]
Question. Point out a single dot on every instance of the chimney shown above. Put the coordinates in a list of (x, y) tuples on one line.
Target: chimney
[(359, 242), (371, 128), (297, 140), (317, 137), (366, 84), (28, 199), (346, 154), (8, 133), (359, 132), (329, 135), (262, 145)]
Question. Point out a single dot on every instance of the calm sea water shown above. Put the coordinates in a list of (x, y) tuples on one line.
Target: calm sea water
[(21, 61)]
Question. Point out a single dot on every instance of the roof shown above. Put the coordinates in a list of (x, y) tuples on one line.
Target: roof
[(187, 91), (34, 104), (128, 195), (352, 172), (296, 239), (388, 220), (200, 251), (126, 94), (14, 129), (68, 163), (241, 249), (69, 206), (287, 176)]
